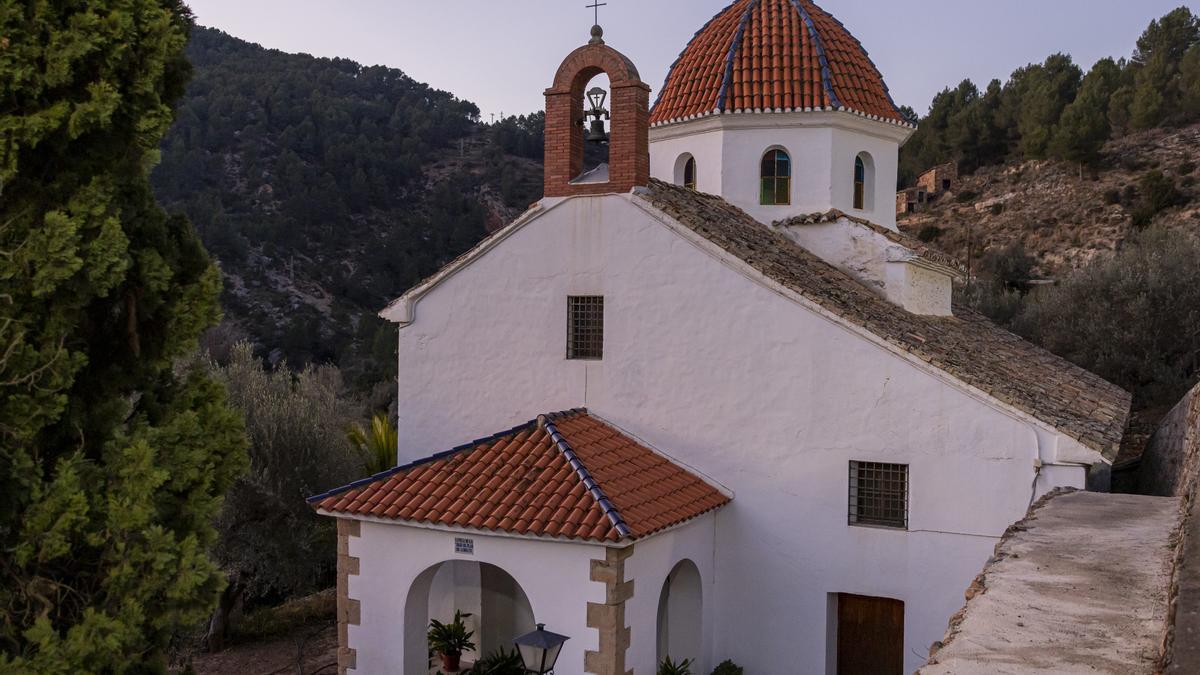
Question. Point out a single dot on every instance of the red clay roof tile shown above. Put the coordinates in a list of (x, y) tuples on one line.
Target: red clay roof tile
[(778, 55), (523, 482)]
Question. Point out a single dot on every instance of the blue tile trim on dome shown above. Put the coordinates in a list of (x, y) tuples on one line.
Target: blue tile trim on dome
[(679, 58), (886, 90), (826, 78), (727, 79)]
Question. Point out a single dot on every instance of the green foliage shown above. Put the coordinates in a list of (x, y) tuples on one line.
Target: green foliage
[(499, 662), (929, 233), (1011, 266), (669, 667), (727, 667), (112, 462), (271, 543), (1189, 84), (1151, 103), (1169, 37), (450, 639), (1045, 111), (1043, 93), (1130, 318), (1156, 193), (1084, 125), (378, 446), (266, 623), (310, 174)]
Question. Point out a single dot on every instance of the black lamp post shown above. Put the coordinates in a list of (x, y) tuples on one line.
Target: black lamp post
[(539, 650)]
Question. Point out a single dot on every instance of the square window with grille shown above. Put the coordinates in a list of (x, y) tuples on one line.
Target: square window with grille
[(585, 327), (879, 494)]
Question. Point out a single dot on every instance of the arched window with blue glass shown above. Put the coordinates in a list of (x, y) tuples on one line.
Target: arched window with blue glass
[(864, 182), (776, 178)]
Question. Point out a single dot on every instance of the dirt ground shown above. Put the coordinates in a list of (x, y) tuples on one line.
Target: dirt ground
[(313, 646)]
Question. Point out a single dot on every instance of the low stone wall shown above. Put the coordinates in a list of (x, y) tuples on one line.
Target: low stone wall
[(1171, 462)]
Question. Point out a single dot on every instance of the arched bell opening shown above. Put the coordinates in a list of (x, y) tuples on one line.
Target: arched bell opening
[(576, 146), (597, 124)]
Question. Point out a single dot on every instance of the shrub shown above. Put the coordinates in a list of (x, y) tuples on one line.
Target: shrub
[(450, 639), (727, 667), (1130, 318), (1158, 193), (966, 196), (997, 209), (1112, 196), (272, 622), (669, 667), (271, 545), (1186, 167), (1011, 266), (929, 233), (499, 662)]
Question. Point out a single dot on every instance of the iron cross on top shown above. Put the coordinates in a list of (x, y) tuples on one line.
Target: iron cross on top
[(596, 6)]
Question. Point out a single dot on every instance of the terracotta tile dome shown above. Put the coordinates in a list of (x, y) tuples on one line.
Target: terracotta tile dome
[(775, 56)]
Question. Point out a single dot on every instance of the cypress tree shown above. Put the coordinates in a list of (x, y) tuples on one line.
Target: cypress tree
[(112, 461)]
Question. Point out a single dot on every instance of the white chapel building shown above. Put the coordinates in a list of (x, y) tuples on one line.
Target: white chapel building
[(707, 402)]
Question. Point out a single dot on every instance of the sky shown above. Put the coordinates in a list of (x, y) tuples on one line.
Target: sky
[(502, 54)]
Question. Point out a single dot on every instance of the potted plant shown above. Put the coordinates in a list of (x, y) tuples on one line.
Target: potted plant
[(450, 640), (669, 667), (499, 662)]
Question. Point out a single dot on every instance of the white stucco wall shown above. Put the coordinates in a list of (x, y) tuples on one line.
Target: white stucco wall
[(652, 560), (391, 557), (823, 146), (746, 385)]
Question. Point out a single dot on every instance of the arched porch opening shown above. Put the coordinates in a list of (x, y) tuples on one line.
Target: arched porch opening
[(680, 614), (499, 608)]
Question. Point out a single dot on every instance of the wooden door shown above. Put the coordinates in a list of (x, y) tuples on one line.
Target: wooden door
[(870, 637)]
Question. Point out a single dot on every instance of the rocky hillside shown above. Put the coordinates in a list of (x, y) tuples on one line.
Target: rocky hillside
[(325, 188), (1065, 216)]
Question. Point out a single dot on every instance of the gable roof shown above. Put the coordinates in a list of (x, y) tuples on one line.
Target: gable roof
[(967, 346), (913, 244), (565, 475)]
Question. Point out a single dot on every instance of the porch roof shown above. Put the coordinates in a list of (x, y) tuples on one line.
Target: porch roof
[(567, 475)]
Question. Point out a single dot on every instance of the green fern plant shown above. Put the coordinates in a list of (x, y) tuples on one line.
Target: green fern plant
[(669, 667), (377, 446), (499, 662), (728, 667), (450, 639)]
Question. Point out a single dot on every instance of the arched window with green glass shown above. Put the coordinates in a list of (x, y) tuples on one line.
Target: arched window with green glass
[(776, 178)]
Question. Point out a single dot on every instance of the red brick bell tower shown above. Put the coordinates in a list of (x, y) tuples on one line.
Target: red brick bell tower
[(629, 139)]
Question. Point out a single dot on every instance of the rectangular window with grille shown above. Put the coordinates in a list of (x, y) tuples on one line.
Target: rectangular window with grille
[(879, 494), (585, 327)]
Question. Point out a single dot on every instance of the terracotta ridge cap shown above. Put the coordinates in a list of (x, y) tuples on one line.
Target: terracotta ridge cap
[(547, 422)]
